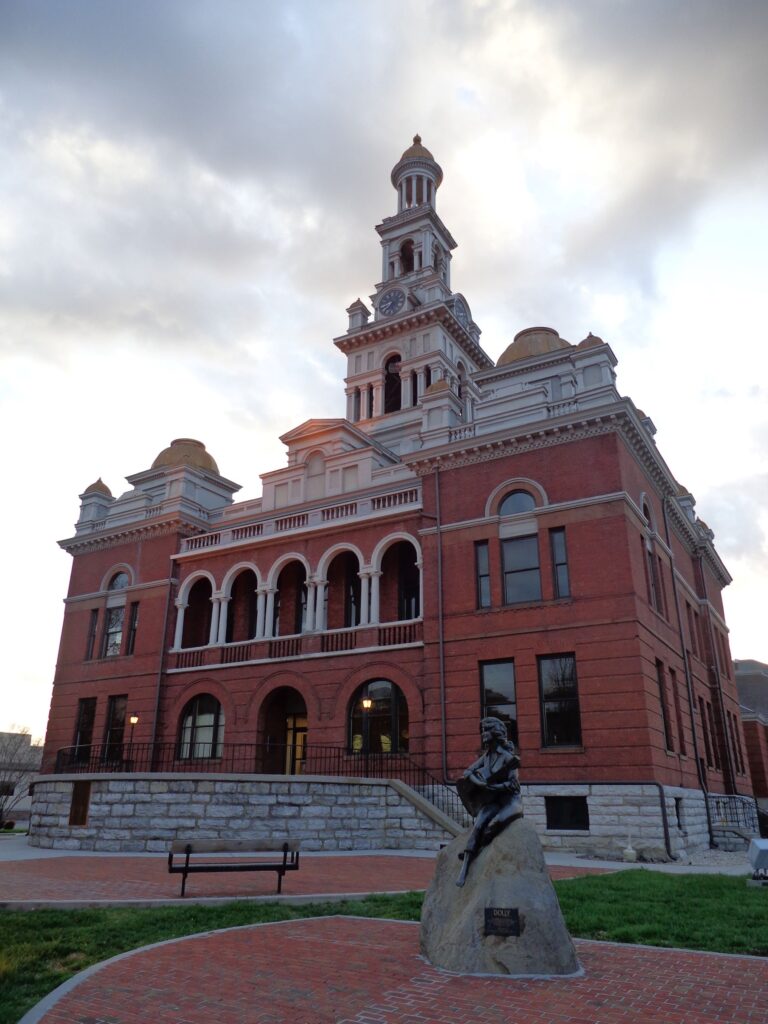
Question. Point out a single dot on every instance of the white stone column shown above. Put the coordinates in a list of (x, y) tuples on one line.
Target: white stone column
[(375, 578), (181, 607), (365, 598), (213, 635), (270, 613), (320, 616), (351, 405), (378, 396), (223, 610), (420, 382), (261, 605), (419, 565), (405, 389), (309, 620)]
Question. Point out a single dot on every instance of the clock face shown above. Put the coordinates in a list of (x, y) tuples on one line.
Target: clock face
[(392, 302), (460, 311)]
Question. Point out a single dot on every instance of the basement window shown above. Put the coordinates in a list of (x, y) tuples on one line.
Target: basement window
[(567, 813)]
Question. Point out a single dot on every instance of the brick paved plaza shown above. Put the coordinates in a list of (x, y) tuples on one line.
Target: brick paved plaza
[(346, 970)]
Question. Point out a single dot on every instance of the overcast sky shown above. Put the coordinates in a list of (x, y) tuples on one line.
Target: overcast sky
[(187, 198)]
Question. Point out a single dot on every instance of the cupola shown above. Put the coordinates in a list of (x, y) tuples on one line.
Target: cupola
[(416, 176), (185, 451)]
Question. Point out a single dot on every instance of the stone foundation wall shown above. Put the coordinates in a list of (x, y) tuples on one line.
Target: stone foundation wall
[(135, 813), (622, 815)]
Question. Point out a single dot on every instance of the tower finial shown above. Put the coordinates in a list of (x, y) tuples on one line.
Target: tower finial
[(417, 139)]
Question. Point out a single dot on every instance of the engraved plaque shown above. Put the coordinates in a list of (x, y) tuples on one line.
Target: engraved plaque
[(502, 921)]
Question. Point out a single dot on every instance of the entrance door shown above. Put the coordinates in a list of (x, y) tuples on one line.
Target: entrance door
[(295, 744), (284, 733)]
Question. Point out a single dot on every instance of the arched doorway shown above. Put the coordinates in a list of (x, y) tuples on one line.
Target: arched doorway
[(284, 731)]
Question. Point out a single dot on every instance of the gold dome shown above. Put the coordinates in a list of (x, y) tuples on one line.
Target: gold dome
[(185, 451), (417, 152), (533, 341), (98, 487), (591, 341)]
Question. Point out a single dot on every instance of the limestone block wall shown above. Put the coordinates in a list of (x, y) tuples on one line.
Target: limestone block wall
[(135, 813), (620, 815)]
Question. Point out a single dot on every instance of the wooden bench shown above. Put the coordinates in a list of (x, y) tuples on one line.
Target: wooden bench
[(189, 847)]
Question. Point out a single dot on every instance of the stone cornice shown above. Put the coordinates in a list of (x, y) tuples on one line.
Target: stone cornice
[(414, 320), (99, 541)]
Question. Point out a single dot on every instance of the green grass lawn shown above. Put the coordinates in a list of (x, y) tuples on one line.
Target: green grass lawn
[(40, 949)]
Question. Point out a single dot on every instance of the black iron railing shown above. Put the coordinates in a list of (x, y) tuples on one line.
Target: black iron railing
[(261, 759), (732, 809)]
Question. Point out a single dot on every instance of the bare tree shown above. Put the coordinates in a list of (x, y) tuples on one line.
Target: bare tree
[(19, 763)]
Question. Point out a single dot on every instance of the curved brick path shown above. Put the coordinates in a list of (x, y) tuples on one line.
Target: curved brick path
[(144, 879), (359, 971)]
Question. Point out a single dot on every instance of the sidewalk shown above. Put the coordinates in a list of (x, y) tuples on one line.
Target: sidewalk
[(74, 879), (346, 970)]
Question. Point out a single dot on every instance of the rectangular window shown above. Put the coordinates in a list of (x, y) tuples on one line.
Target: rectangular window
[(90, 643), (713, 734), (560, 719), (482, 574), (114, 729), (705, 732), (736, 743), (520, 562), (133, 625), (664, 708), (692, 629), (112, 641), (81, 798), (567, 813), (562, 587), (83, 738), (678, 710), (497, 693)]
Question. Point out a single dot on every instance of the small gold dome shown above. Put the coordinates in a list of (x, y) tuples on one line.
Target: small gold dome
[(420, 153), (185, 451), (533, 341), (417, 150), (591, 341), (98, 487)]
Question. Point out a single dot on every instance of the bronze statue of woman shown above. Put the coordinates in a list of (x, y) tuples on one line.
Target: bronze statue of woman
[(490, 790)]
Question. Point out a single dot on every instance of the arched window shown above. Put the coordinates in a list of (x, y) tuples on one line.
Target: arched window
[(378, 719), (516, 502), (393, 397), (119, 581), (201, 732), (406, 256)]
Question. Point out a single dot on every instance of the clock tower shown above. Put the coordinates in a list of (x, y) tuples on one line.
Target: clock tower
[(422, 341)]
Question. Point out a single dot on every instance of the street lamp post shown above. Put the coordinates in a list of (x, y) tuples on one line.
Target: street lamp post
[(133, 719)]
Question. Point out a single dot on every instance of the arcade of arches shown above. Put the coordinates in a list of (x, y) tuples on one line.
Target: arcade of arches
[(349, 595)]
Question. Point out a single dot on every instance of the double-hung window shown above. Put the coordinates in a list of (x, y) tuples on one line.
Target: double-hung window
[(560, 718), (520, 567)]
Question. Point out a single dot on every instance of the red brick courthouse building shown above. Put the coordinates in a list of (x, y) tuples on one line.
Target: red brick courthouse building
[(469, 539)]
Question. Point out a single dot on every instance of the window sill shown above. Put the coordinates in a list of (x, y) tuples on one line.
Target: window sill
[(563, 748), (566, 831)]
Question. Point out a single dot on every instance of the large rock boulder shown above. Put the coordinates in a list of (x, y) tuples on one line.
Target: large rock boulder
[(507, 875)]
